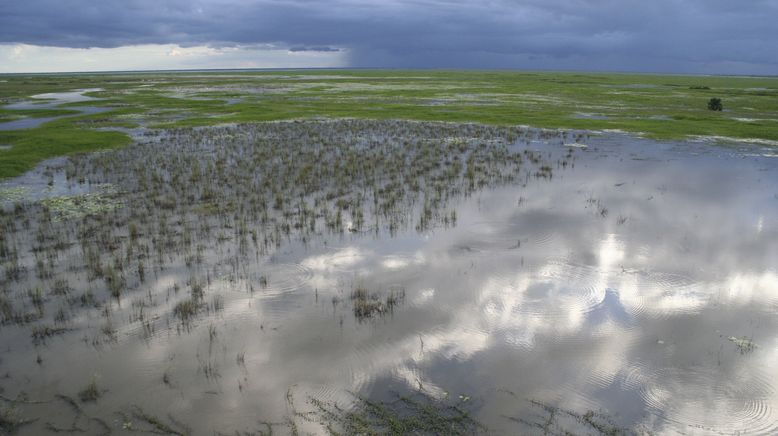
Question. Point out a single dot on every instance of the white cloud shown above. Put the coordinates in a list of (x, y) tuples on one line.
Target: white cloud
[(17, 58)]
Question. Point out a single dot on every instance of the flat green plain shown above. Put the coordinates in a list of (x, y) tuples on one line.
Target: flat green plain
[(656, 106)]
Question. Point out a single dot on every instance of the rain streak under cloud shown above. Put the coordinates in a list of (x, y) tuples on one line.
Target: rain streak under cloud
[(696, 36)]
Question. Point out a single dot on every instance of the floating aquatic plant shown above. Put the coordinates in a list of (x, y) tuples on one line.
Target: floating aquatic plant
[(71, 207), (13, 194)]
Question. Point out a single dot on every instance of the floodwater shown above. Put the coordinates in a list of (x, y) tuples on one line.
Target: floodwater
[(635, 290), (52, 100), (587, 116)]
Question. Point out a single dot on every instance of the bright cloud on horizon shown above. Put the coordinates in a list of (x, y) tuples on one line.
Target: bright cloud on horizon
[(15, 58)]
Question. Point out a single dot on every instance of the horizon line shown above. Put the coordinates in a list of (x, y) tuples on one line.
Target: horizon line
[(440, 69)]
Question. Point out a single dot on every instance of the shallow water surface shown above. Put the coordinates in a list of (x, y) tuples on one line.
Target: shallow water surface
[(634, 288), (51, 100)]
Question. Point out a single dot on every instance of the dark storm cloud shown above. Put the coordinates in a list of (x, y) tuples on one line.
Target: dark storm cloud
[(317, 48), (670, 35)]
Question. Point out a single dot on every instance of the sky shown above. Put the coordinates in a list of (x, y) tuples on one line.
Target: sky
[(673, 36)]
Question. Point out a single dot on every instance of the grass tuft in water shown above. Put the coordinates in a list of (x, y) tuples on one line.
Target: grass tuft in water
[(90, 393), (416, 414), (155, 424), (368, 305), (11, 421), (553, 420)]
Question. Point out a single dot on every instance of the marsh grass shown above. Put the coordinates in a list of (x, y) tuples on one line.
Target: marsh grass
[(553, 420), (90, 393), (406, 414), (28, 147), (11, 420), (42, 332), (186, 310), (150, 423), (194, 198), (744, 344), (368, 305), (545, 100), (209, 207), (6, 310)]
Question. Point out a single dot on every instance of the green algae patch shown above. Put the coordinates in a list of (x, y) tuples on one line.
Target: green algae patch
[(13, 194), (70, 207)]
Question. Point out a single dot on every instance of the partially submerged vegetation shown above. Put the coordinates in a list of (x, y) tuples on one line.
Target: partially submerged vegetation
[(415, 413), (162, 239), (70, 207), (654, 105), (11, 420), (213, 205), (368, 304), (185, 200), (549, 419), (91, 392)]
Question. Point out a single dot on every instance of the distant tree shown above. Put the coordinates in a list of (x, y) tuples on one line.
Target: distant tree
[(714, 104)]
